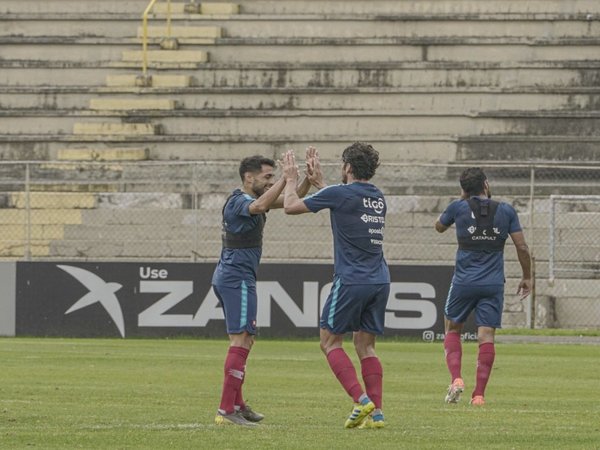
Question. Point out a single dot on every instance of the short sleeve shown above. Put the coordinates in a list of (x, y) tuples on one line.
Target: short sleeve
[(448, 217), (514, 225), (326, 198)]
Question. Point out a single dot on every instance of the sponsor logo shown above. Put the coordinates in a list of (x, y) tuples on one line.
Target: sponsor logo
[(496, 230), (366, 218), (376, 205), (471, 229), (99, 292), (410, 305)]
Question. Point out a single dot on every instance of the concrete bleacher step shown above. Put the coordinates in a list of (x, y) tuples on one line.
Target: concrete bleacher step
[(306, 25), (182, 32), (158, 81), (465, 7), (299, 74), (435, 100), (186, 56), (103, 154), (127, 104), (317, 49), (118, 129), (52, 200), (204, 8)]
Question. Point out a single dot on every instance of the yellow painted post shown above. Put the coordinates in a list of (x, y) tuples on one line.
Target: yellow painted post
[(168, 19), (145, 37)]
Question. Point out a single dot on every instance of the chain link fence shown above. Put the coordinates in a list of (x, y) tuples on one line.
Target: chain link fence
[(171, 211)]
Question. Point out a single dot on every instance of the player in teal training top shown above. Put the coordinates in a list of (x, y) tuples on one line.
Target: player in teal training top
[(361, 282)]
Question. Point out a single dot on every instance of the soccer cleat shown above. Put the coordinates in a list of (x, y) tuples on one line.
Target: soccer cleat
[(455, 390), (372, 421), (234, 418), (478, 400), (359, 413), (250, 415)]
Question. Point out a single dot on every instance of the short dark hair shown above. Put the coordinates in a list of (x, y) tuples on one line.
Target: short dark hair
[(363, 159), (254, 164), (472, 181)]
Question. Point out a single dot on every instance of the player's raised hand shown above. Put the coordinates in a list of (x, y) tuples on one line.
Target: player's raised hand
[(290, 169), (313, 168)]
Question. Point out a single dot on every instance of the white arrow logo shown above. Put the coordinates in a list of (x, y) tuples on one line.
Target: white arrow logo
[(100, 291)]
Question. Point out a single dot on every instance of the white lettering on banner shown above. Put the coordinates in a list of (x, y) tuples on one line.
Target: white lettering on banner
[(154, 315), (424, 306), (148, 272), (267, 290)]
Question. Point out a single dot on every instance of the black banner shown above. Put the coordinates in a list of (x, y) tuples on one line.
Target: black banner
[(171, 299)]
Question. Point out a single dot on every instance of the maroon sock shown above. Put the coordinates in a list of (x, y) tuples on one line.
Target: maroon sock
[(453, 350), (485, 361), (239, 396), (233, 377), (342, 367), (372, 374)]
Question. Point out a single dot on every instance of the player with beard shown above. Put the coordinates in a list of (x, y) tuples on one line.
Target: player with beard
[(361, 281), (234, 279), (482, 228)]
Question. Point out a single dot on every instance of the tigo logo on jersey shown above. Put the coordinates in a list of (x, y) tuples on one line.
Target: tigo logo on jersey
[(376, 205)]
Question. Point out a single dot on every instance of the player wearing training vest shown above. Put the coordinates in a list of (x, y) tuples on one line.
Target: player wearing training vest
[(482, 228), (361, 282), (234, 279)]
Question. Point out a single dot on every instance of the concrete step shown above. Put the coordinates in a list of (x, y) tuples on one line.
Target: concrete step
[(367, 124), (51, 201), (157, 81), (428, 7), (437, 100), (528, 148), (302, 74), (228, 148), (314, 50), (181, 32), (111, 128), (103, 154), (129, 104), (40, 216), (306, 25), (166, 56)]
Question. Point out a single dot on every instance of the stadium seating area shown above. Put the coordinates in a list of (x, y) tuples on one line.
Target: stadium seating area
[(454, 82)]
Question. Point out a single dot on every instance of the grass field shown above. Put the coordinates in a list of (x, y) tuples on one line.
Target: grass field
[(159, 394)]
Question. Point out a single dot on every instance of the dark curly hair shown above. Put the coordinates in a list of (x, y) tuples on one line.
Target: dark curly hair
[(363, 159), (254, 164), (472, 181)]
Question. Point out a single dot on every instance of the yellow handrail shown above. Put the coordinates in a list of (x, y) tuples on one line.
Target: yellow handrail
[(145, 32)]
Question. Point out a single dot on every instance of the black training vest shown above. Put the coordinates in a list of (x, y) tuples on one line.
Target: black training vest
[(482, 237), (252, 238)]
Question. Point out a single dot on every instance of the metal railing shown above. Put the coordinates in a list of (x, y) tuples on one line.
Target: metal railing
[(145, 32)]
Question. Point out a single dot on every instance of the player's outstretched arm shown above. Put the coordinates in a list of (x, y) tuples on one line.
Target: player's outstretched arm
[(291, 202), (524, 256), (266, 201)]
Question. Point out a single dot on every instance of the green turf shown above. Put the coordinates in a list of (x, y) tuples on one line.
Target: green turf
[(70, 393)]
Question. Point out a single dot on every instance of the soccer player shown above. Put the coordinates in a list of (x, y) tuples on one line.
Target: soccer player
[(234, 279), (361, 282), (482, 228)]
